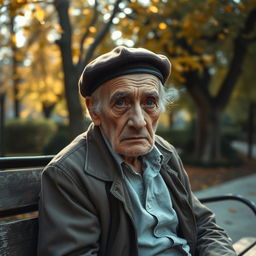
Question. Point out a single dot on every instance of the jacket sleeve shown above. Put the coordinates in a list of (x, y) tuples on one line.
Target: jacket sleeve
[(212, 240), (68, 224)]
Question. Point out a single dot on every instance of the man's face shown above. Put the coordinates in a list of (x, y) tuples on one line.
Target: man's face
[(129, 113)]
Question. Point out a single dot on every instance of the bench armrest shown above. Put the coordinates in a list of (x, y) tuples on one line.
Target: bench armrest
[(239, 198)]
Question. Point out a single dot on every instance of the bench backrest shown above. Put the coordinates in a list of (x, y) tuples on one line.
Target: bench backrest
[(18, 205)]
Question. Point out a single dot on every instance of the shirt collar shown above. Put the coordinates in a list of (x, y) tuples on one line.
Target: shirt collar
[(154, 157)]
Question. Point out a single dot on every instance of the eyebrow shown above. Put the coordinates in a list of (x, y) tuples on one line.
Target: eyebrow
[(121, 95), (151, 94)]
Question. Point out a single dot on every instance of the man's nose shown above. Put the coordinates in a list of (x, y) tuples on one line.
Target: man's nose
[(137, 119)]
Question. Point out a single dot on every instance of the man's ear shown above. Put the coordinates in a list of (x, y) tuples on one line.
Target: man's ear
[(90, 106)]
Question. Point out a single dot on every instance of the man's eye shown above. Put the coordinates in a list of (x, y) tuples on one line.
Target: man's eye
[(150, 103), (120, 103)]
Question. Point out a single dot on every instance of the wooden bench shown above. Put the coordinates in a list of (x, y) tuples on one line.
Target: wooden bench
[(19, 194)]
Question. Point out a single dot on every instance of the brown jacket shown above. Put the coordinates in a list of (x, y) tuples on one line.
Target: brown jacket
[(85, 209)]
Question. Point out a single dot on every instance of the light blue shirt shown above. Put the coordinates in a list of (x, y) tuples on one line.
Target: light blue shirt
[(153, 214), (155, 219)]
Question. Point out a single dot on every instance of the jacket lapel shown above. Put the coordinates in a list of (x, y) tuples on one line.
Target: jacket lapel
[(100, 164)]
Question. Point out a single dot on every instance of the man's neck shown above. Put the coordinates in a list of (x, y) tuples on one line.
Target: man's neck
[(134, 162)]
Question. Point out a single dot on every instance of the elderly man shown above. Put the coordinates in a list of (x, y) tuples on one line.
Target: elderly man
[(118, 189)]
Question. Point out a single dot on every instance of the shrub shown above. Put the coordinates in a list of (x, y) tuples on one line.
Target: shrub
[(183, 141), (59, 140), (28, 136), (179, 138)]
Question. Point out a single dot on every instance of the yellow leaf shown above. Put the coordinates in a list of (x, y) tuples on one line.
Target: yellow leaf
[(136, 29), (153, 9), (178, 67), (186, 25), (86, 11), (21, 1), (214, 21), (21, 13), (162, 25), (39, 14), (25, 113), (92, 29), (232, 210), (226, 30), (241, 6), (26, 28), (207, 58), (198, 48), (13, 39), (59, 28), (89, 40), (19, 56), (49, 98), (221, 36), (228, 8), (165, 119), (202, 18)]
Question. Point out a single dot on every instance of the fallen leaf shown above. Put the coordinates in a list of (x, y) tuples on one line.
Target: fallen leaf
[(232, 210)]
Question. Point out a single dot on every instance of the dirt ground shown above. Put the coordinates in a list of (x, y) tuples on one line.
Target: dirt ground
[(202, 178)]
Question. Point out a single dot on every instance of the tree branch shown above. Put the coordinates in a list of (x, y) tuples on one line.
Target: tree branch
[(241, 43), (65, 42), (196, 88), (87, 32), (36, 33), (100, 36)]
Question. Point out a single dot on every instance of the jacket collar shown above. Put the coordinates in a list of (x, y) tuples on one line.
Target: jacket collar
[(99, 161)]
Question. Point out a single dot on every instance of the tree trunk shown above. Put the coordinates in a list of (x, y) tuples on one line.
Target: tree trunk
[(2, 122), (48, 109), (16, 80), (208, 135), (76, 116), (71, 75), (251, 129)]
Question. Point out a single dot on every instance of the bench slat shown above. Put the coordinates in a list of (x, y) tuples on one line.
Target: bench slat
[(19, 188), (19, 238), (241, 245)]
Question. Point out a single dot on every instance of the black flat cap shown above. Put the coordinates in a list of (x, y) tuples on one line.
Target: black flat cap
[(122, 61)]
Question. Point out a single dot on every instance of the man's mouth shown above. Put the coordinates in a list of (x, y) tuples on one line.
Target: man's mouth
[(134, 138)]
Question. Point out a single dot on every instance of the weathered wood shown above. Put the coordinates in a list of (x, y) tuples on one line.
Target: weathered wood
[(19, 188), (24, 162), (19, 238), (242, 246)]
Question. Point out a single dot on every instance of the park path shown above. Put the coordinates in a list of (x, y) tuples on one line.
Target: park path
[(242, 147), (236, 218)]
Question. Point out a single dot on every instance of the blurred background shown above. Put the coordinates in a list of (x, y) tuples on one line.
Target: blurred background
[(44, 46)]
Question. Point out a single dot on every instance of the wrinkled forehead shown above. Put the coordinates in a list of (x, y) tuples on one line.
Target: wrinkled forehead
[(141, 83)]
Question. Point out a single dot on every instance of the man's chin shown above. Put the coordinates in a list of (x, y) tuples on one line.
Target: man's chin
[(135, 151)]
